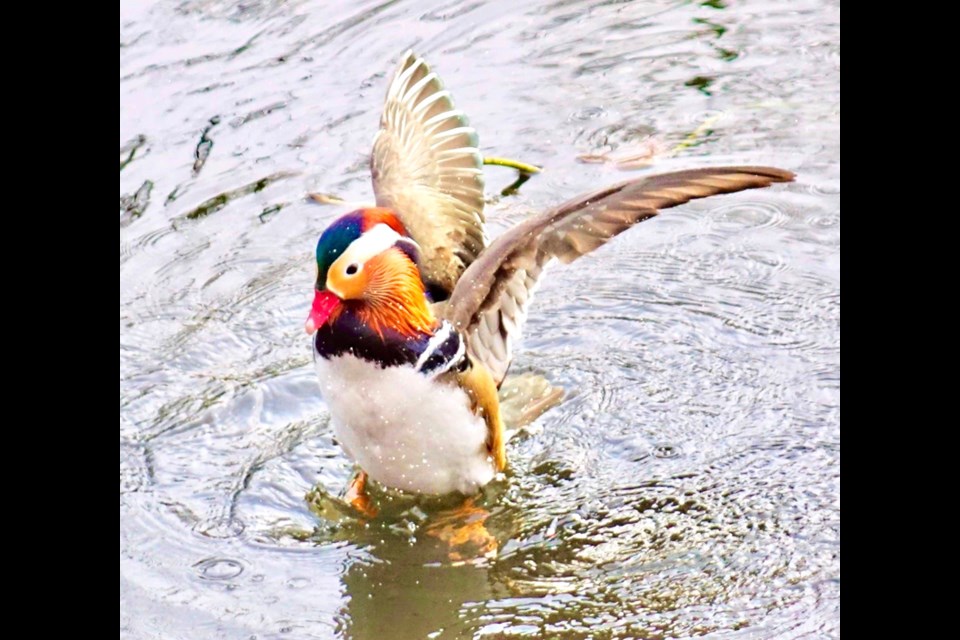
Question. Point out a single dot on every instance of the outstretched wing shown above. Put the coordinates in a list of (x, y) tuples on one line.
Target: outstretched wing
[(427, 168), (489, 304)]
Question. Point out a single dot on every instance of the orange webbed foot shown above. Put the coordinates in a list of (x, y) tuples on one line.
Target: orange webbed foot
[(357, 497)]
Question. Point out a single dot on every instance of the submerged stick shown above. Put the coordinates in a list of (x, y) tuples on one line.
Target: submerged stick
[(524, 172), (522, 167)]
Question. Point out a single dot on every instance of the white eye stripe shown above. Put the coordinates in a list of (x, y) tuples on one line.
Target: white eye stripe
[(371, 243)]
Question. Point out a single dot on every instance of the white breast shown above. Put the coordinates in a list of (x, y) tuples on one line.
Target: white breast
[(405, 430)]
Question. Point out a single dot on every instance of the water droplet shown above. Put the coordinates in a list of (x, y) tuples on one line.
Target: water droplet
[(298, 583), (666, 451), (218, 569)]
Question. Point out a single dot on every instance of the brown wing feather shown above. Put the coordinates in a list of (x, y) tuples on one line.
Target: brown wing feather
[(489, 302), (427, 168)]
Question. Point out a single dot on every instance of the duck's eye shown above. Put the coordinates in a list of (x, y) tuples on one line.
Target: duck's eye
[(352, 269)]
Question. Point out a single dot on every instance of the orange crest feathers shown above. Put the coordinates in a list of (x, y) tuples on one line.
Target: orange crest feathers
[(395, 296), (372, 216)]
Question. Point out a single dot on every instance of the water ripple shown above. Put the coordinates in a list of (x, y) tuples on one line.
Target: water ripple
[(688, 484)]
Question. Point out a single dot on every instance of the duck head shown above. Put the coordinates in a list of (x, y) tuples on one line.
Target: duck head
[(367, 264)]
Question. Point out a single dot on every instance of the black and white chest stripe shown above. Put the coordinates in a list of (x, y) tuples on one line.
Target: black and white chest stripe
[(444, 351), (430, 355)]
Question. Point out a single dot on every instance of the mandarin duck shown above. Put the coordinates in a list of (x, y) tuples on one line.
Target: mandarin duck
[(415, 316)]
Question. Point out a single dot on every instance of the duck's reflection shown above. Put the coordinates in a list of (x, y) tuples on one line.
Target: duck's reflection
[(426, 559), (405, 595)]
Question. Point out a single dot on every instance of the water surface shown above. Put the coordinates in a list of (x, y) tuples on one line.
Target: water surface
[(689, 485)]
